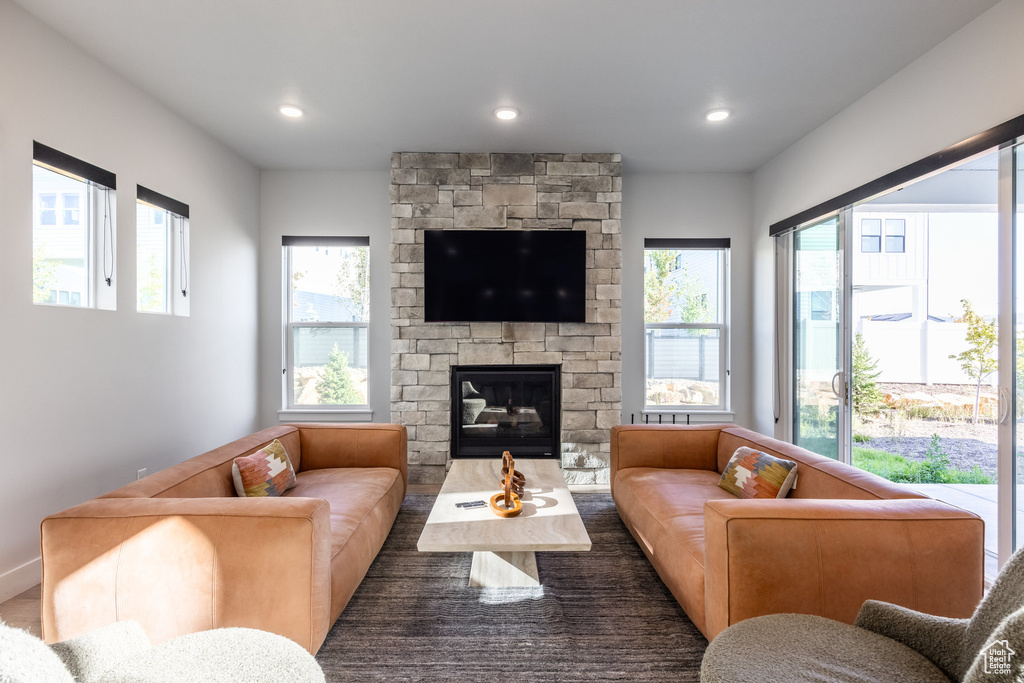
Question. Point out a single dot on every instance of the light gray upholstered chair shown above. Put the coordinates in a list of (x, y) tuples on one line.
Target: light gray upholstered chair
[(887, 643), (121, 653)]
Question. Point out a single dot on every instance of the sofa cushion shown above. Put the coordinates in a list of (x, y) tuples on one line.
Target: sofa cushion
[(364, 502), (267, 472), (351, 491), (665, 512), (755, 474)]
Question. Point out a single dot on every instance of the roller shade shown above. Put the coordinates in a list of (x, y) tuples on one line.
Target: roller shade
[(327, 241), (687, 243), (160, 201), (69, 165)]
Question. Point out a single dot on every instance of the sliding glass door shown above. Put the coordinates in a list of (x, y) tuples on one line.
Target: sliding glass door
[(820, 379), (906, 316), (1012, 435)]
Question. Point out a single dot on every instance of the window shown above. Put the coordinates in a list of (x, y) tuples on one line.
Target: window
[(326, 321), (685, 323), (871, 235), (895, 235), (47, 208), (72, 202), (161, 253), (72, 232), (814, 305)]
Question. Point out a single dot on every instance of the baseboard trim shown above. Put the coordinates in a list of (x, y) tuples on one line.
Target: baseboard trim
[(20, 579)]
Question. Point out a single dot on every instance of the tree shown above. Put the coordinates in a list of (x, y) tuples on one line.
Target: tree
[(867, 398), (354, 281), (151, 287), (335, 386), (44, 275), (667, 293), (978, 361)]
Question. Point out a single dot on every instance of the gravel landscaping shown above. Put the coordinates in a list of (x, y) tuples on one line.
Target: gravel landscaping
[(967, 444)]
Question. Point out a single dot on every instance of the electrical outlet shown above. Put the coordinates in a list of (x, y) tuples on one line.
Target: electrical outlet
[(141, 473)]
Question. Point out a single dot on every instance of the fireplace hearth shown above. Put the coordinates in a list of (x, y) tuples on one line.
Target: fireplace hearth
[(499, 408)]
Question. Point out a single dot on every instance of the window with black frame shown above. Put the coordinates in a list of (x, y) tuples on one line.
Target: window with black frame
[(73, 231)]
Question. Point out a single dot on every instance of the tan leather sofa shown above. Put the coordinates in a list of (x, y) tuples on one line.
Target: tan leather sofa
[(841, 537), (179, 552)]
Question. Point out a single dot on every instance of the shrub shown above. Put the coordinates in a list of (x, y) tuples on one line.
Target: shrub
[(335, 386), (933, 470), (861, 438)]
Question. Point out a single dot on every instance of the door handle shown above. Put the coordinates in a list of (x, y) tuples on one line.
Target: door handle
[(834, 390), (1004, 404)]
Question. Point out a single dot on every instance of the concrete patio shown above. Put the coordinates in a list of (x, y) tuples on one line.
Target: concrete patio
[(979, 499)]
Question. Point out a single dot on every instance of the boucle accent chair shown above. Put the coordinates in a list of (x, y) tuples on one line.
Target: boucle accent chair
[(841, 537), (180, 552), (121, 653), (887, 643)]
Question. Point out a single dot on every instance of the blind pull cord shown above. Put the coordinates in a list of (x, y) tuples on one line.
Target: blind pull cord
[(184, 256), (108, 247), (777, 392)]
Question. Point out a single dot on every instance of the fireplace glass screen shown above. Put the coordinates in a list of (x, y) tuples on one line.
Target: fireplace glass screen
[(498, 408)]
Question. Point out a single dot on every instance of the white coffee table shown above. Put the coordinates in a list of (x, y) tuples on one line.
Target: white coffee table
[(503, 549)]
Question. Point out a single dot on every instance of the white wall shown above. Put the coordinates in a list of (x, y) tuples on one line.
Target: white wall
[(324, 203), (351, 203), (91, 396), (965, 85), (686, 205)]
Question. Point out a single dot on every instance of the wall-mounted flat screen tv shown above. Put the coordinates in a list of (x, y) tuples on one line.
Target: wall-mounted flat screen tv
[(505, 275)]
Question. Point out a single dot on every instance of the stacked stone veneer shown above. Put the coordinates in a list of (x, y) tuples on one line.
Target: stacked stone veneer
[(507, 192)]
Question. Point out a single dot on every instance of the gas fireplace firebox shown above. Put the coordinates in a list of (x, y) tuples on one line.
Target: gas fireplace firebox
[(515, 408)]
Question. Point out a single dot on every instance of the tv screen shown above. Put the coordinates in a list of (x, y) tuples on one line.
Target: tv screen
[(504, 275)]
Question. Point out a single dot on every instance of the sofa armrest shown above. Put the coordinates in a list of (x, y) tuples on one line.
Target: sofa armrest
[(940, 639), (826, 557), (354, 445), (180, 565), (690, 447)]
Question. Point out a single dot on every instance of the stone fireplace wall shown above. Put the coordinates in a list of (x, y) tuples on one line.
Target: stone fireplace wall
[(507, 192)]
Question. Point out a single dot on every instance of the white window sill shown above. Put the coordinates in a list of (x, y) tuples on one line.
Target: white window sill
[(696, 416), (353, 414)]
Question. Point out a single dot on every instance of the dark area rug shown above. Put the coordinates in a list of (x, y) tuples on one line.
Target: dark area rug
[(602, 615)]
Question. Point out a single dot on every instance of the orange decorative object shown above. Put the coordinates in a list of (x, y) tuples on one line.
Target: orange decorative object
[(512, 483), (498, 505)]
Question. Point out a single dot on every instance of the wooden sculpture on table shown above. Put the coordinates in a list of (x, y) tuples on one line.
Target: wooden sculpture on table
[(507, 502)]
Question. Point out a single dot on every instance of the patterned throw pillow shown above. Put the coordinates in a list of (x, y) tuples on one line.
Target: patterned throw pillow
[(755, 474), (267, 472)]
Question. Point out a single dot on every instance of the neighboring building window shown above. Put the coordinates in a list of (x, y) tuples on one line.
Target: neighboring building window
[(72, 202), (161, 252), (819, 303), (73, 234), (871, 235), (326, 321), (686, 324), (895, 235), (47, 208)]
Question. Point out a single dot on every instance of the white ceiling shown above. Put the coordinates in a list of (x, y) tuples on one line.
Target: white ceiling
[(629, 76)]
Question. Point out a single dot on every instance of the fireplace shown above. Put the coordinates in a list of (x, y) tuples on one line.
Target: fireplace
[(513, 408)]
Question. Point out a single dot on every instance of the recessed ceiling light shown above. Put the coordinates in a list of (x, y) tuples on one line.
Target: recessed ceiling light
[(506, 113), (290, 110), (718, 115)]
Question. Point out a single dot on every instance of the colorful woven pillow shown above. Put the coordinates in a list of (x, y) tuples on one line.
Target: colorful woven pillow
[(755, 474), (267, 472)]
